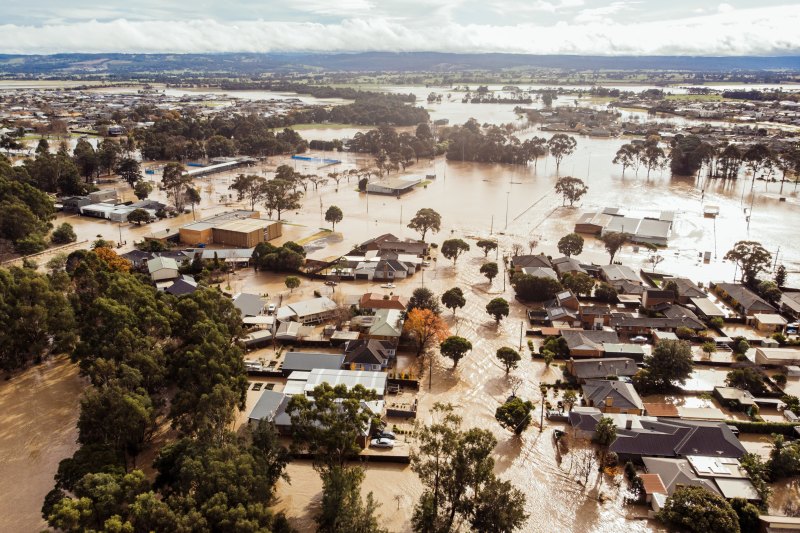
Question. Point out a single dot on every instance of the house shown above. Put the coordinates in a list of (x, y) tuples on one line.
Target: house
[(769, 323), (563, 309), (620, 277), (138, 258), (568, 265), (676, 438), (612, 396), (540, 272), (368, 354), (388, 325), (742, 299), (777, 356), (706, 309), (162, 268), (390, 243), (686, 289), (587, 343), (375, 381), (790, 304), (257, 339), (394, 187), (518, 262), (622, 349), (249, 304), (269, 407), (306, 312), (734, 398), (594, 316), (373, 300), (586, 369), (657, 300), (237, 257), (307, 361), (721, 475), (645, 325), (184, 285)]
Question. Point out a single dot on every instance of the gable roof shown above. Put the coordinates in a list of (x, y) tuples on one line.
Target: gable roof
[(601, 368), (620, 394), (308, 361), (249, 304), (313, 306), (159, 263), (388, 323), (366, 352), (686, 288), (182, 286), (522, 261), (673, 438), (749, 300), (620, 273), (578, 339), (371, 300)]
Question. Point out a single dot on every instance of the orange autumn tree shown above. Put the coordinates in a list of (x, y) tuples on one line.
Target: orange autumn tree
[(115, 262), (426, 327)]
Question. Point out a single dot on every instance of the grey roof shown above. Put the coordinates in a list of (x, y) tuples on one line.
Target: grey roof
[(182, 286), (791, 300), (620, 273), (622, 321), (567, 264), (307, 361), (686, 288), (673, 438), (601, 368), (367, 352), (388, 323), (675, 473), (592, 339), (249, 304), (267, 406), (622, 348), (621, 393), (314, 306), (158, 263), (522, 261), (749, 300)]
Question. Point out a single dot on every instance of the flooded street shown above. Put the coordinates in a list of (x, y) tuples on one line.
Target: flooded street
[(39, 411)]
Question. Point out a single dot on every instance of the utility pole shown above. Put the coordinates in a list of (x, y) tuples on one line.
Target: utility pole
[(491, 226), (508, 197), (521, 329), (430, 371)]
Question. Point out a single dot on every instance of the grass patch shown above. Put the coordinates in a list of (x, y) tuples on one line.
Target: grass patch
[(424, 183), (694, 97), (313, 237)]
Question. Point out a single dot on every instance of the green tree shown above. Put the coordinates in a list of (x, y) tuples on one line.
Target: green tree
[(752, 259), (130, 171), (605, 432), (279, 196), (748, 515), (489, 270), (769, 290), (139, 217), (423, 298), (780, 276), (748, 378), (142, 189), (561, 146), (192, 197), (698, 509), (454, 248), (571, 190), (455, 348), (456, 470), (514, 414), (498, 309), (627, 156), (487, 246), (426, 220), (454, 299), (174, 179), (570, 244), (579, 283), (535, 288), (85, 159), (342, 510), (570, 397), (509, 357), (670, 362), (292, 282), (784, 458), (709, 347), (758, 472), (64, 234), (108, 155), (249, 187), (333, 215), (613, 241)]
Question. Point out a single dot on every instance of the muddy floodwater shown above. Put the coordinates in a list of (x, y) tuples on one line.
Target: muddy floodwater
[(38, 413)]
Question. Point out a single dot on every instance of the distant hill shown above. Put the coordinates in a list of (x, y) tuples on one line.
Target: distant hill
[(233, 63)]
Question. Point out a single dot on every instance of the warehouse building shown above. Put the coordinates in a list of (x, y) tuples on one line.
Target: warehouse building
[(240, 228)]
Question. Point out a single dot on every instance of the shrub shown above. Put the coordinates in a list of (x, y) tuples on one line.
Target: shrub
[(64, 234)]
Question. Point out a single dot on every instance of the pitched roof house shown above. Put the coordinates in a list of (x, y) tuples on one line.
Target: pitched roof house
[(611, 396), (587, 343), (368, 354)]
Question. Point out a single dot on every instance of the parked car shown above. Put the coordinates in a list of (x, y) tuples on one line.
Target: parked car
[(382, 443), (388, 286), (639, 339), (271, 309), (385, 435), (426, 263), (331, 283)]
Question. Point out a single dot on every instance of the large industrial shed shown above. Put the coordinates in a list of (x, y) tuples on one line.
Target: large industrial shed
[(241, 228), (246, 233)]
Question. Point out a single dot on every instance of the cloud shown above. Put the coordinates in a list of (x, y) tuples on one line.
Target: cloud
[(602, 14), (724, 8), (757, 31)]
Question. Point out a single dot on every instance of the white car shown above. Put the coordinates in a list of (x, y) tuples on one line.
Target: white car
[(271, 309), (382, 443), (388, 286), (639, 339)]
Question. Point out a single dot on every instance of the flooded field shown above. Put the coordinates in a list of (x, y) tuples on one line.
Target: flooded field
[(39, 411)]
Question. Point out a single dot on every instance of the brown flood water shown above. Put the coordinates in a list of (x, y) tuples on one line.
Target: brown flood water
[(39, 411)]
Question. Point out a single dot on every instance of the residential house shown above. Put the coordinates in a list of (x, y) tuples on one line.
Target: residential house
[(311, 311), (790, 304), (769, 323), (622, 349), (368, 354), (723, 476), (612, 396), (390, 243), (568, 265), (622, 278), (676, 438), (249, 304), (388, 325), (645, 325), (375, 381), (563, 309), (587, 343), (371, 301), (657, 300), (777, 356), (307, 361), (518, 262), (540, 272), (734, 398), (686, 289), (706, 309), (586, 369), (743, 300), (184, 285), (595, 316), (162, 269)]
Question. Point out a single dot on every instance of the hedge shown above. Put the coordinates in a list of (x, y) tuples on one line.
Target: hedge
[(782, 428)]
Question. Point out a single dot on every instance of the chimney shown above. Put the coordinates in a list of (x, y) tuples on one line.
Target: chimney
[(628, 424), (609, 401)]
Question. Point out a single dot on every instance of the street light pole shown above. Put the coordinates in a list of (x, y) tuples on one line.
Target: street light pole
[(508, 197)]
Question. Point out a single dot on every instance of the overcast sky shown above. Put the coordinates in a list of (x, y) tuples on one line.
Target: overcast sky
[(602, 27)]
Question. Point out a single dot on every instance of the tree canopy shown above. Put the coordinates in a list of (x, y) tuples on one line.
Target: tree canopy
[(698, 509), (455, 348), (670, 363), (426, 220), (752, 259)]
